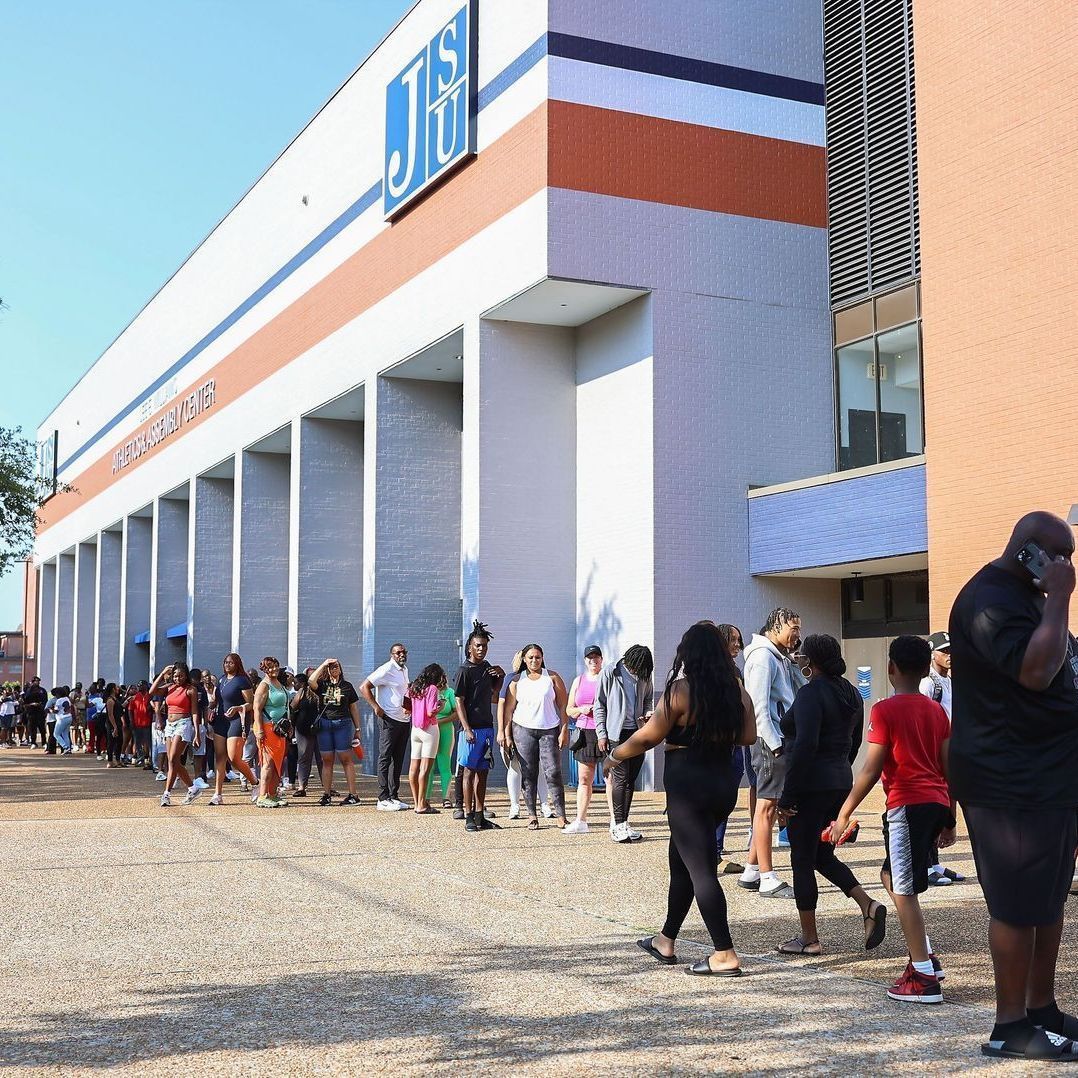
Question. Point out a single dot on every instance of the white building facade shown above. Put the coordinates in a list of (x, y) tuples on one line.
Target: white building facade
[(508, 331)]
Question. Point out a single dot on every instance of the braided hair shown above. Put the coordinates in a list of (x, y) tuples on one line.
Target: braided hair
[(778, 617), (638, 660), (479, 632)]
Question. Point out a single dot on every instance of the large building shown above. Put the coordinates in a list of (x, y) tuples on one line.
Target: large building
[(540, 320)]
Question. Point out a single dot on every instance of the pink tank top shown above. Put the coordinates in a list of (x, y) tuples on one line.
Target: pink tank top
[(585, 697)]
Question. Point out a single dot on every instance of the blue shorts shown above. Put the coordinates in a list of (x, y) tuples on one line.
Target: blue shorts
[(335, 735), (475, 755)]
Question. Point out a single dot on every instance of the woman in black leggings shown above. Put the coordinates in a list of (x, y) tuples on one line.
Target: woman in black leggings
[(704, 712), (821, 735)]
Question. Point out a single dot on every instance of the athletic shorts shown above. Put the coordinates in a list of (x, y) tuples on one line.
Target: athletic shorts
[(425, 742), (182, 728), (910, 833), (589, 754), (335, 735), (476, 755), (1025, 861), (770, 771), (7, 722)]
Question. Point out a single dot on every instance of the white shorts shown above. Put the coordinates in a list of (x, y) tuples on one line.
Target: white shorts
[(425, 742), (182, 728)]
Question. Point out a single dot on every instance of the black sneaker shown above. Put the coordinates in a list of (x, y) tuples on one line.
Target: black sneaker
[(486, 825), (349, 800), (470, 824), (325, 799)]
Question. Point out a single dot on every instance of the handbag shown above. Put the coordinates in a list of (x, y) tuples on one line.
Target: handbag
[(579, 740)]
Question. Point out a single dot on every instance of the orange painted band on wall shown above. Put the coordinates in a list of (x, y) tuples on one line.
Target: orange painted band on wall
[(730, 173)]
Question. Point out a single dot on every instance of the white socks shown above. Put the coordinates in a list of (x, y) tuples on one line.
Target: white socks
[(751, 874), (924, 968)]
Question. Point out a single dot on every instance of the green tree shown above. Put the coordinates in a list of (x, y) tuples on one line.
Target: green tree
[(21, 493)]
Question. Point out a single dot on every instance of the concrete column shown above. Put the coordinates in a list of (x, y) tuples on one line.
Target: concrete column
[(65, 619), (209, 563), (411, 551), (46, 624), (168, 581), (326, 544), (108, 601), (83, 666), (519, 487), (135, 597), (260, 569)]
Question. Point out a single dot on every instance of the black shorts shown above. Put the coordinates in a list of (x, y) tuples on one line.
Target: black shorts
[(910, 834), (1025, 861), (589, 754)]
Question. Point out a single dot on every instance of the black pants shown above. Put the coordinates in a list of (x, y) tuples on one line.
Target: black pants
[(622, 779), (308, 753), (700, 794), (35, 726), (808, 855), (393, 743), (50, 740), (143, 741), (115, 744)]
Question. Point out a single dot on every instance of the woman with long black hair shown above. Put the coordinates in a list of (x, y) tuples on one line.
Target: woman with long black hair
[(425, 693), (114, 726), (183, 726), (233, 708), (703, 714)]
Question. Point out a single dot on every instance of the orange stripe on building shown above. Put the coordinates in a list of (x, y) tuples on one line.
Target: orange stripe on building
[(627, 156), (681, 164)]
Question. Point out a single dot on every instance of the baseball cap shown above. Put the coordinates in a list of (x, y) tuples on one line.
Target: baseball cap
[(591, 650), (940, 641)]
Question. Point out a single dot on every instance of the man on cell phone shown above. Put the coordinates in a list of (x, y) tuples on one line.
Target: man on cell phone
[(1013, 762)]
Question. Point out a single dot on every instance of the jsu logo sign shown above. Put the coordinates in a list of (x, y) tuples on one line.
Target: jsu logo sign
[(430, 112)]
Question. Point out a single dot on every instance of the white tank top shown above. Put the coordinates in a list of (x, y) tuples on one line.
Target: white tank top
[(535, 703)]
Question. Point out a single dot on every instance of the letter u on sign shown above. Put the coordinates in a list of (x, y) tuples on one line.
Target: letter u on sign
[(430, 112)]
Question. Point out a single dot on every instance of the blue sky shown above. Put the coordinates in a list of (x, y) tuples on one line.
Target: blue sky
[(129, 129)]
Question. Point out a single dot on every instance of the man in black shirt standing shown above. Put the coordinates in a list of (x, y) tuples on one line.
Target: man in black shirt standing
[(1014, 769), (34, 699), (477, 687)]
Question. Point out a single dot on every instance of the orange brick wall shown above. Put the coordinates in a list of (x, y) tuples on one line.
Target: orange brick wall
[(997, 115)]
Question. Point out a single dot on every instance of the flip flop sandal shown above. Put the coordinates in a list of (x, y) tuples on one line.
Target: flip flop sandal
[(649, 946), (878, 919), (798, 946), (428, 811), (533, 825), (703, 969), (447, 804)]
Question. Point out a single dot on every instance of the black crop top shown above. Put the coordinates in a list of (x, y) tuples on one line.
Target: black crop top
[(681, 736)]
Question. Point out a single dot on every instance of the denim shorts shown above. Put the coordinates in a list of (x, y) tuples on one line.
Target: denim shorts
[(335, 735), (183, 728)]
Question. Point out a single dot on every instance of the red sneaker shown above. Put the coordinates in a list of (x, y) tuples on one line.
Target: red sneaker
[(914, 987)]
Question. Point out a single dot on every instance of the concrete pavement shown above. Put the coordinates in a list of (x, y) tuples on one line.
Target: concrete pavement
[(305, 940)]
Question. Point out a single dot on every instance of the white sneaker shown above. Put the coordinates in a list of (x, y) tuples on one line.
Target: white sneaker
[(159, 777), (577, 827), (634, 835), (231, 776), (166, 800), (514, 812), (217, 799), (386, 806), (210, 773), (548, 812), (286, 785), (254, 797), (400, 806), (200, 784), (620, 833), (193, 794)]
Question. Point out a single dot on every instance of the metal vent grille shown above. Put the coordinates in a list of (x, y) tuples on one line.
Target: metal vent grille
[(874, 240)]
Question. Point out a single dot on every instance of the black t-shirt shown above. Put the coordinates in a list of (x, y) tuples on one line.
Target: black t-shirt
[(35, 698), (306, 713), (1010, 746), (335, 701), (475, 690)]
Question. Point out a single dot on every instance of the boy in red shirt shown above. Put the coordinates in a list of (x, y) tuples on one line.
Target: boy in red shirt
[(907, 744)]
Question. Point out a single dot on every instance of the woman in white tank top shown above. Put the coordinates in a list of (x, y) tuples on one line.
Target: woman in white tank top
[(535, 712)]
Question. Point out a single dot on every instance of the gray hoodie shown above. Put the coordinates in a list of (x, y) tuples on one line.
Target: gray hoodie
[(772, 680)]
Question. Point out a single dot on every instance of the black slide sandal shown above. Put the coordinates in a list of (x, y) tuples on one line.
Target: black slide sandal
[(649, 946), (879, 927), (703, 969), (1040, 1045)]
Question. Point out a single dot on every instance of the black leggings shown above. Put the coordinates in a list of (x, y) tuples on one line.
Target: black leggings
[(622, 779), (700, 794), (808, 855), (115, 744)]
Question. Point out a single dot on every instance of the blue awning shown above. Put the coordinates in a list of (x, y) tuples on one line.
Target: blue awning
[(143, 637), (178, 632)]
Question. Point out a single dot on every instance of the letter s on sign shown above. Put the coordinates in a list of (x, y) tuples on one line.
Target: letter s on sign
[(447, 55)]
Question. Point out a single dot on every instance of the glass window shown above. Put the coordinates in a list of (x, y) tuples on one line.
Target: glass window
[(856, 405), (854, 322), (896, 308), (900, 393)]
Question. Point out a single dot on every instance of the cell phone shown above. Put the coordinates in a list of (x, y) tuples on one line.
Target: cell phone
[(1034, 559)]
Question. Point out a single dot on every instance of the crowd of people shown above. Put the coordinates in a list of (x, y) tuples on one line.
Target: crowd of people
[(787, 719)]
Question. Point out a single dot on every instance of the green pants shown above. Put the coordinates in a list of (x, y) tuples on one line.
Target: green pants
[(443, 762)]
